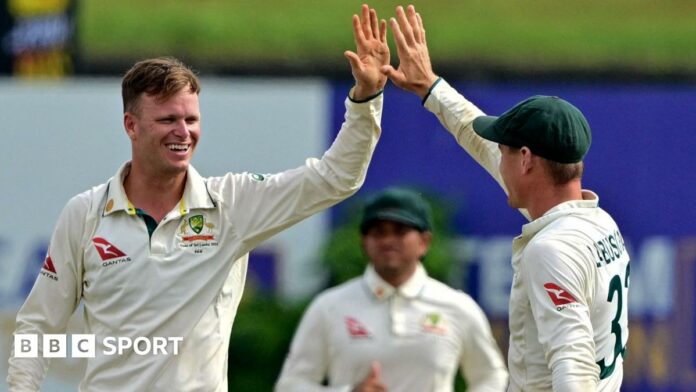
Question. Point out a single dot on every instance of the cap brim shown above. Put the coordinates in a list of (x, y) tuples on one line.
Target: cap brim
[(483, 126), (393, 216)]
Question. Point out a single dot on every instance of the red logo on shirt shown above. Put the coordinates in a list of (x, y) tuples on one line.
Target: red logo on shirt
[(106, 250), (48, 265), (48, 270), (558, 295), (356, 329)]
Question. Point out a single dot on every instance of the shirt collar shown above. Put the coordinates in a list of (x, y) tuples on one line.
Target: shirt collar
[(196, 193), (382, 290), (589, 200)]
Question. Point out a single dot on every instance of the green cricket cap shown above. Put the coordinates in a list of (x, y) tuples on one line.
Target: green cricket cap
[(549, 126), (397, 205)]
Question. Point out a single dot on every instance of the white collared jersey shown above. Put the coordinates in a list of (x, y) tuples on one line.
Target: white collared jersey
[(420, 333), (186, 280), (568, 301)]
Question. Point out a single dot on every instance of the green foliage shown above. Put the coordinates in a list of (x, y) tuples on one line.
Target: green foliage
[(260, 340)]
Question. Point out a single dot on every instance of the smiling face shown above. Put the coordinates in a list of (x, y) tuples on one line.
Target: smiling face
[(164, 133), (394, 249)]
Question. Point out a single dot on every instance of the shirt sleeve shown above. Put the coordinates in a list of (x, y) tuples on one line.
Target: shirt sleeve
[(260, 206), (307, 363), (457, 115), (558, 294), (481, 362), (53, 298)]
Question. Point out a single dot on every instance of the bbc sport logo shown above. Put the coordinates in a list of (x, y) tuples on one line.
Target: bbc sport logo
[(84, 345)]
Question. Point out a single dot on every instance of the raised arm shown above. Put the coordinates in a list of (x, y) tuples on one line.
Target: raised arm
[(372, 52), (263, 206), (415, 74), (456, 113)]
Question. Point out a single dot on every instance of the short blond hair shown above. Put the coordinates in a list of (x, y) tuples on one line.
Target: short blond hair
[(161, 77), (563, 173)]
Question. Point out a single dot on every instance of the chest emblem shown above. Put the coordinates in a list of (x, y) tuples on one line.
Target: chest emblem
[(196, 223), (434, 323), (197, 233), (356, 329), (109, 253)]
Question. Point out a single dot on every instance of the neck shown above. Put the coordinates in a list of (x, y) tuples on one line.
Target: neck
[(548, 196), (154, 193)]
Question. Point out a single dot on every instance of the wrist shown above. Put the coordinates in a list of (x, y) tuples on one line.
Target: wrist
[(424, 90), (359, 94)]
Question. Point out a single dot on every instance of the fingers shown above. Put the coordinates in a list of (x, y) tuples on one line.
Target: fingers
[(365, 21), (397, 77), (383, 31), (373, 23), (421, 27), (399, 38), (357, 30), (375, 370), (404, 25), (367, 26), (413, 22), (353, 58)]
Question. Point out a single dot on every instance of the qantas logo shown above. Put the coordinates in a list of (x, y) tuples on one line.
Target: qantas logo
[(48, 265), (356, 329), (106, 250), (558, 295), (48, 270), (109, 254)]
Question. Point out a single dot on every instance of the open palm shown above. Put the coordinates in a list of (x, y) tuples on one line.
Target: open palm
[(372, 52)]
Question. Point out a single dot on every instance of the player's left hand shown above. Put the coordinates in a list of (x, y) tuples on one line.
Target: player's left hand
[(370, 36), (415, 73)]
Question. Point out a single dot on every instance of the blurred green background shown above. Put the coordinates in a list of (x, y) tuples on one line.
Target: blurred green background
[(473, 37)]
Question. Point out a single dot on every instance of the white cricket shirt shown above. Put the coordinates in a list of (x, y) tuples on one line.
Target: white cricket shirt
[(568, 301), (186, 280), (420, 333)]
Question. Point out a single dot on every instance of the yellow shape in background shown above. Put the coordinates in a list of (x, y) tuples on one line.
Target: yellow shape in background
[(27, 8)]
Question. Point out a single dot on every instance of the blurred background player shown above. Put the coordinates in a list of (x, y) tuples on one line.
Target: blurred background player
[(394, 328), (568, 313), (159, 251)]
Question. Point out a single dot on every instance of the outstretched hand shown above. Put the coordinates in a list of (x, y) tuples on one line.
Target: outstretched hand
[(372, 53), (415, 73), (373, 382)]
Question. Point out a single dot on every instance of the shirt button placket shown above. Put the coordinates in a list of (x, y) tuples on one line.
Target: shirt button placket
[(398, 315)]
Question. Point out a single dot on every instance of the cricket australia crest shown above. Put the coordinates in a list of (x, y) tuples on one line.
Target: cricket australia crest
[(197, 234), (196, 223)]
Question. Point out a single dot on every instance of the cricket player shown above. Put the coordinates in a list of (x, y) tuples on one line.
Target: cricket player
[(160, 251), (395, 328), (568, 313)]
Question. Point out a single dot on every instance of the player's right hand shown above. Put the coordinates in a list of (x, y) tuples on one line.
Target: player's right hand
[(372, 52), (372, 382), (415, 73)]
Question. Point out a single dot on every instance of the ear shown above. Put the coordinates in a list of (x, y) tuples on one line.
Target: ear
[(527, 161), (427, 239), (129, 125)]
